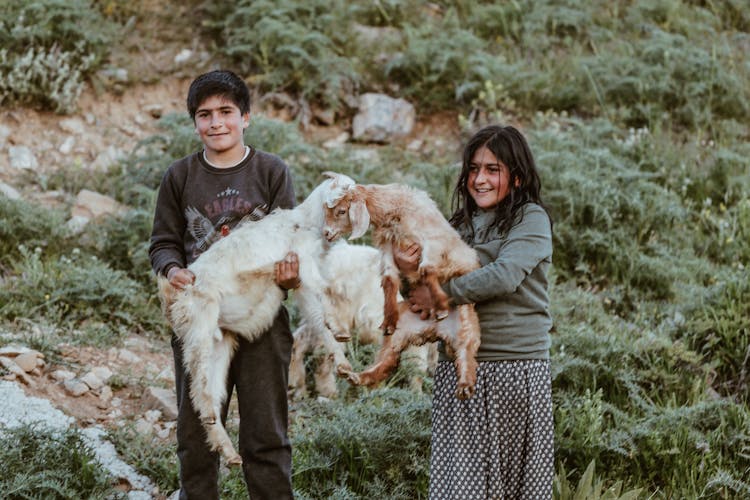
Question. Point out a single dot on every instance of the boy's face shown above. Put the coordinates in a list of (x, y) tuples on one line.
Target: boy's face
[(220, 125)]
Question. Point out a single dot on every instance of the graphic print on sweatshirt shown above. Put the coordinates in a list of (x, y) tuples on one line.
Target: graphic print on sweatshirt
[(228, 208)]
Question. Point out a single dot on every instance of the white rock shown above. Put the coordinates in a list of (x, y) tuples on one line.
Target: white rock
[(75, 387), (152, 416), (129, 357), (382, 118), (103, 373), (22, 158), (91, 380), (9, 191), (67, 146), (183, 56), (62, 375), (142, 426), (72, 126)]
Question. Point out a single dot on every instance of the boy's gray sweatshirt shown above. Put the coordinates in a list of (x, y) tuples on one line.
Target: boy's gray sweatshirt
[(510, 289), (196, 199)]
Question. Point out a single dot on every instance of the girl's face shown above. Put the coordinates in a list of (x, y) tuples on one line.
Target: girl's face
[(220, 125), (489, 179)]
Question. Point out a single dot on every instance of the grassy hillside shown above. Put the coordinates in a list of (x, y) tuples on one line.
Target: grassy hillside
[(638, 114)]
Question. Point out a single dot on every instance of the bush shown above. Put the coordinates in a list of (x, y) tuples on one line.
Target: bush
[(38, 463), (376, 446), (75, 289), (49, 48)]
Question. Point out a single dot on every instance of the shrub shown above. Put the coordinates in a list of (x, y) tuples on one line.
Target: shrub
[(374, 446), (290, 46), (74, 289), (49, 48), (38, 463)]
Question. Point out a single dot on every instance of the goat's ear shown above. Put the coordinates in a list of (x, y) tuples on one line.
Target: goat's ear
[(360, 219)]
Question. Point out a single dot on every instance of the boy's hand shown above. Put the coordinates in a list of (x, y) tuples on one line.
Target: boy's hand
[(407, 260), (179, 277), (287, 272)]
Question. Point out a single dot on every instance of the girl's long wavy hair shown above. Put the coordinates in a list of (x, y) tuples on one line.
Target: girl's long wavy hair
[(510, 147)]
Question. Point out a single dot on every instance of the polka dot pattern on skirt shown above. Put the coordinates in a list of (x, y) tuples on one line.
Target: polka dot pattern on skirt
[(499, 443)]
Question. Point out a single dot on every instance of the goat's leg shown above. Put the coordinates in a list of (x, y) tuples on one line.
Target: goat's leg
[(462, 341), (390, 306), (391, 284), (439, 297), (207, 352), (301, 346), (410, 331), (216, 433)]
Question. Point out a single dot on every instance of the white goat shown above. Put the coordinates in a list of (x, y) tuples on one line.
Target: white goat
[(235, 294), (353, 276), (400, 216)]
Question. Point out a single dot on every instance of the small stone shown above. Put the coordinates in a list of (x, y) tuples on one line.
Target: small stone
[(75, 387), (62, 375), (27, 361), (91, 380), (103, 373)]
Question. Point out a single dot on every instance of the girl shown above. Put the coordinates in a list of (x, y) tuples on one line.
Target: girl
[(498, 444)]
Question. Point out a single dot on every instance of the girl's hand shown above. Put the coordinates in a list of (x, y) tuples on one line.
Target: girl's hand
[(180, 277), (287, 272), (407, 260), (420, 301)]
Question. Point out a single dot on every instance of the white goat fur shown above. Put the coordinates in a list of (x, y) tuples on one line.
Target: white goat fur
[(235, 294), (401, 215), (353, 276)]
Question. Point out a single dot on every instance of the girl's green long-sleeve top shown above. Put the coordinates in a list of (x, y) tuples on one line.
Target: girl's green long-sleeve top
[(510, 289)]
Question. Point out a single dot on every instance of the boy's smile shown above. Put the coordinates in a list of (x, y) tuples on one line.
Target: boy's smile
[(220, 125)]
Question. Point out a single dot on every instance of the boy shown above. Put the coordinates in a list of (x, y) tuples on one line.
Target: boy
[(202, 196)]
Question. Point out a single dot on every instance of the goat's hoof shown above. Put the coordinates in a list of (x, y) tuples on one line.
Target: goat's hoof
[(342, 336), (465, 392), (234, 461), (441, 315), (353, 378)]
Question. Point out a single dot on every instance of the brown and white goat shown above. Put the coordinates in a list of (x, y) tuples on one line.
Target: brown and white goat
[(401, 215)]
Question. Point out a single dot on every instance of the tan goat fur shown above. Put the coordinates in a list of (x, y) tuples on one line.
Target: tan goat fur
[(401, 215)]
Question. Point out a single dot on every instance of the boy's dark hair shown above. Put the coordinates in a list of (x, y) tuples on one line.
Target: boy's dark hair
[(510, 147), (222, 83)]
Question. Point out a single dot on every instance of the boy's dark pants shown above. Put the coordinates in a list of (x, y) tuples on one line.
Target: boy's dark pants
[(259, 371)]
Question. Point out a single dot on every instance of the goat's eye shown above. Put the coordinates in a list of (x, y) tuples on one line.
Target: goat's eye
[(340, 212)]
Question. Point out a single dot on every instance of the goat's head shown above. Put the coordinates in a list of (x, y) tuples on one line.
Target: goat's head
[(345, 212)]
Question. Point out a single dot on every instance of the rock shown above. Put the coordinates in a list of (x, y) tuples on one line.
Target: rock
[(91, 380), (152, 416), (4, 134), (183, 56), (166, 375), (9, 191), (12, 350), (382, 118), (90, 205), (103, 373), (128, 357), (28, 360), (73, 126), (16, 370), (155, 110), (144, 427), (75, 387), (22, 158), (337, 141), (105, 396), (62, 375), (67, 146), (161, 399)]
